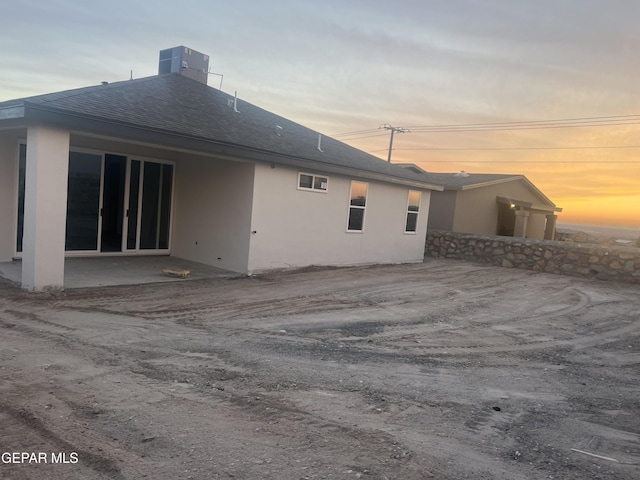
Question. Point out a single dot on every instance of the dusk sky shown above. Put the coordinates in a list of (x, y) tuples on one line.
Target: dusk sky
[(352, 65)]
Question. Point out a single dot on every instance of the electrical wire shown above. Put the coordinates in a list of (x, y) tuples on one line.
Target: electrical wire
[(521, 148), (358, 132), (368, 136), (535, 162), (578, 122)]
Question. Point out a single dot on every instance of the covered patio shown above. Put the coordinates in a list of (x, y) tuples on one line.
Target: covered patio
[(81, 272)]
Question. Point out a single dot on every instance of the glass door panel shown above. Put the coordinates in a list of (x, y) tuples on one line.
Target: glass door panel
[(157, 186), (83, 201), (22, 163), (166, 186), (113, 203), (132, 208), (150, 206)]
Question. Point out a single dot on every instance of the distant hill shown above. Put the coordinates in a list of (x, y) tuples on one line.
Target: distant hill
[(598, 234)]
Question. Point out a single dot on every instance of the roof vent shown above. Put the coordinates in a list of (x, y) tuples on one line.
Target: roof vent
[(184, 61), (461, 173), (279, 130), (233, 103)]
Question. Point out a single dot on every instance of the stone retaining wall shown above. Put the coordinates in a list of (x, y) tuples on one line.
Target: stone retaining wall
[(588, 260)]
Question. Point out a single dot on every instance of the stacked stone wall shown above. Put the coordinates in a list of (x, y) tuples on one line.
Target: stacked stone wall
[(588, 260)]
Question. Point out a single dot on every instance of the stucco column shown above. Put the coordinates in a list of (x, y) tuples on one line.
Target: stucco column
[(550, 228), (520, 229), (8, 180), (45, 208)]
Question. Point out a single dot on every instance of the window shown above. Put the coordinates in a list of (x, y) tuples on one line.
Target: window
[(316, 183), (413, 207), (357, 205)]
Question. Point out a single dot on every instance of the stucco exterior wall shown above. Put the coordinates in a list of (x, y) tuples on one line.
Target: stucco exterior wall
[(8, 194), (212, 212), (442, 210), (476, 209), (45, 208), (535, 225), (295, 228)]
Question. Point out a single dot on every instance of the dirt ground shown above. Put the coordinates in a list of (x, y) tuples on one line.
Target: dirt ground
[(441, 370)]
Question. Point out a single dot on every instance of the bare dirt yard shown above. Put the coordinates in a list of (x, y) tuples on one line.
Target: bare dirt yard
[(440, 370)]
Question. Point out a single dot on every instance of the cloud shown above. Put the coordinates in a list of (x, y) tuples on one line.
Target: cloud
[(345, 66)]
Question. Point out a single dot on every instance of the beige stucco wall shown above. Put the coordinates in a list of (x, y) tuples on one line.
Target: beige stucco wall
[(476, 209), (295, 228), (45, 208), (442, 211), (8, 194), (536, 224), (212, 212)]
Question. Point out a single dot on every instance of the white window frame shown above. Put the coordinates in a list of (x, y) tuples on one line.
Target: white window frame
[(313, 183), (363, 208), (412, 212)]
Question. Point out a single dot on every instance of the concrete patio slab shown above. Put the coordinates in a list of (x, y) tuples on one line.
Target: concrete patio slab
[(113, 270)]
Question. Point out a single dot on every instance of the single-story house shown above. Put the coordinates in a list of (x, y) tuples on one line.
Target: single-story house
[(168, 165), (489, 204)]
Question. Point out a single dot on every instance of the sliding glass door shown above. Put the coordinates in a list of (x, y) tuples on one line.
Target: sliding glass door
[(83, 202), (114, 203), (149, 205)]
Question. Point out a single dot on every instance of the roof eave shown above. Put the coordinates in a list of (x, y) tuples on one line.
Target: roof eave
[(12, 112), (528, 205), (489, 183), (120, 130)]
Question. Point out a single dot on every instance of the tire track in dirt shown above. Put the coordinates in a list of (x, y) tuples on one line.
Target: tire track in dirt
[(21, 416)]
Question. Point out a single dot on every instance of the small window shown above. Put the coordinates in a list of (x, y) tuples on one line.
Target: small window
[(315, 183), (413, 208), (357, 205)]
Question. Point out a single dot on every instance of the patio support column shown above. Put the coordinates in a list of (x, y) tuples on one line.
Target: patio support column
[(8, 179), (522, 218), (45, 208), (550, 228)]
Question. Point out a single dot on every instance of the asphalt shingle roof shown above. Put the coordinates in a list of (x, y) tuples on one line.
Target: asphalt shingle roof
[(176, 105)]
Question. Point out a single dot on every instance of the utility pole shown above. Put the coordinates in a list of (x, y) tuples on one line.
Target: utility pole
[(393, 130)]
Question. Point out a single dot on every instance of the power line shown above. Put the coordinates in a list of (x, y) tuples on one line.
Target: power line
[(439, 129), (357, 132), (491, 160), (589, 121), (578, 122), (520, 148), (532, 162), (368, 136)]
